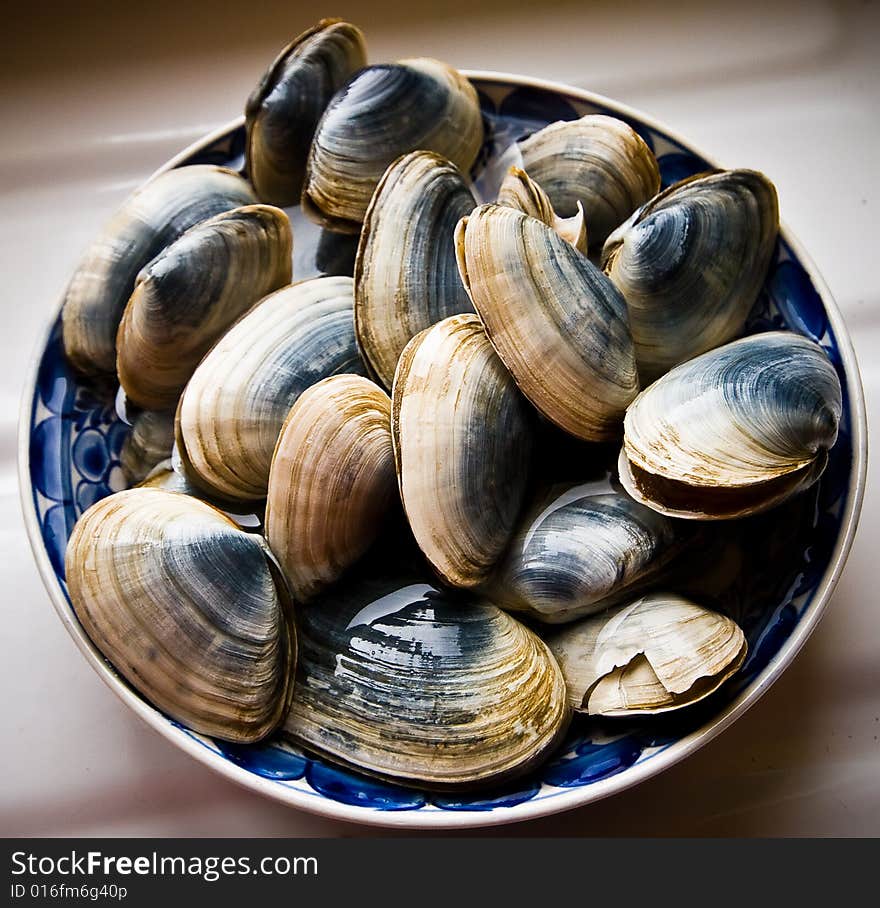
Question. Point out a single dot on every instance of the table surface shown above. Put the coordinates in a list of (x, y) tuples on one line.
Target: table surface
[(94, 102)]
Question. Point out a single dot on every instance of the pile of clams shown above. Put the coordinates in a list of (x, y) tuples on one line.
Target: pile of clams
[(342, 527)]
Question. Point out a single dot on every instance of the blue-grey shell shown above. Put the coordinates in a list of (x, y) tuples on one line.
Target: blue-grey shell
[(403, 680), (149, 220), (283, 111), (579, 550), (691, 263), (735, 430)]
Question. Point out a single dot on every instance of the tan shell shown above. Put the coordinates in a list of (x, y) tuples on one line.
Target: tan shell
[(558, 324), (520, 191), (234, 406), (383, 113), (332, 480), (405, 276), (599, 161), (653, 655), (462, 445), (190, 609), (149, 442), (190, 294)]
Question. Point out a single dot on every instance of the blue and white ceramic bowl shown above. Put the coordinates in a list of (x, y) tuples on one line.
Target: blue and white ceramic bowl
[(70, 444)]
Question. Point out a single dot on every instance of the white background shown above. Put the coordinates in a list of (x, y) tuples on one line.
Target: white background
[(91, 103)]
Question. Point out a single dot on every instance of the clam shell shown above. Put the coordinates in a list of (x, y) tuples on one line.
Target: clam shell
[(520, 191), (657, 654), (599, 161), (235, 404), (579, 550), (462, 446), (283, 112), (691, 264), (407, 682), (190, 294), (151, 218), (734, 431), (332, 480), (149, 442), (189, 609), (383, 113), (558, 324), (406, 277)]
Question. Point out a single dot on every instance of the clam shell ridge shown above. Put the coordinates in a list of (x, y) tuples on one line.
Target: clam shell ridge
[(187, 297), (520, 191), (691, 264), (599, 161), (332, 480), (580, 550), (188, 608), (384, 112), (558, 324), (149, 442), (653, 655), (462, 446), (734, 431), (406, 277), (149, 219), (283, 111), (410, 683), (233, 408)]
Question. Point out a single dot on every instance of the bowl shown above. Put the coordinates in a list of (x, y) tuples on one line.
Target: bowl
[(69, 448)]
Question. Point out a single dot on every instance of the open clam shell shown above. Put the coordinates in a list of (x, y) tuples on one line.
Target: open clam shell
[(558, 324), (188, 296), (462, 445), (520, 191), (332, 480), (283, 111), (383, 113), (691, 264), (599, 161), (407, 682), (734, 431), (235, 404), (190, 609), (406, 277), (579, 550), (653, 655), (149, 219)]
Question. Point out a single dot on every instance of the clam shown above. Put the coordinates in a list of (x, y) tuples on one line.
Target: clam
[(282, 113), (151, 218), (734, 431), (190, 610), (405, 277), (580, 549), (332, 480), (599, 161), (520, 191), (462, 446), (691, 264), (233, 408), (188, 296), (659, 653), (149, 442), (408, 682), (384, 112), (558, 324)]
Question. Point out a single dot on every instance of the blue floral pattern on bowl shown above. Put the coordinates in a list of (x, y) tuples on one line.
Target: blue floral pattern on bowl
[(76, 439)]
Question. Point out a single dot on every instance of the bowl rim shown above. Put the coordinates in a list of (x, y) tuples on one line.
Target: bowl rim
[(565, 799)]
